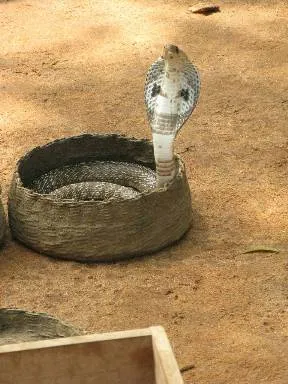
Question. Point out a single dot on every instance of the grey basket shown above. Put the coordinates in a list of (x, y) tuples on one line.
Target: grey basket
[(96, 230), (2, 222), (17, 326)]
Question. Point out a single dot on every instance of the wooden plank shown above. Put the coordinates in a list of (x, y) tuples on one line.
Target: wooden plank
[(119, 358), (166, 367), (142, 356)]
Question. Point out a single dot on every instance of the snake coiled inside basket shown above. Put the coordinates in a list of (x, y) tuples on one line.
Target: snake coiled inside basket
[(94, 198), (97, 180)]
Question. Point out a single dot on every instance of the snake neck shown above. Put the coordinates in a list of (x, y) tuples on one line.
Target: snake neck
[(164, 158)]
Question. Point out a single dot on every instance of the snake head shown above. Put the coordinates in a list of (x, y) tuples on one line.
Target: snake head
[(172, 53)]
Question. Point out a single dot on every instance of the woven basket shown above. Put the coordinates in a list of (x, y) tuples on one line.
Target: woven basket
[(18, 326), (96, 230), (2, 222)]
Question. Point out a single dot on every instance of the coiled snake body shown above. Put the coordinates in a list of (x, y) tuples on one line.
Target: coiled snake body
[(96, 180), (171, 93)]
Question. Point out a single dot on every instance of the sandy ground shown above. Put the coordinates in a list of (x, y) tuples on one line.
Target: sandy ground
[(72, 66)]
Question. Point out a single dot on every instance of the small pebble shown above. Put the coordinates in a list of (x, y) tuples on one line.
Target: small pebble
[(204, 8)]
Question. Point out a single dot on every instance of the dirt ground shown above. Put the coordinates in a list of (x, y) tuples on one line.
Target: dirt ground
[(72, 66)]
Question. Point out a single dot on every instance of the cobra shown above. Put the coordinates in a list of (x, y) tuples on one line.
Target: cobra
[(171, 94)]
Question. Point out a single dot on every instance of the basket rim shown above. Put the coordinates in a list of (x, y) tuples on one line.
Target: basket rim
[(82, 135), (72, 202)]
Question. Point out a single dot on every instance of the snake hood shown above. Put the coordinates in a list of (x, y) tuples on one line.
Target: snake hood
[(171, 93), (171, 90)]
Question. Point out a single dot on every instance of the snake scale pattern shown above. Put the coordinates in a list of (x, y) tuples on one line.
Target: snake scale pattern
[(171, 93), (97, 180)]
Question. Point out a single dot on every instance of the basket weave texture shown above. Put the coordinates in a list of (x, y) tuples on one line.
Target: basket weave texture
[(2, 221), (96, 230), (18, 326)]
